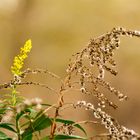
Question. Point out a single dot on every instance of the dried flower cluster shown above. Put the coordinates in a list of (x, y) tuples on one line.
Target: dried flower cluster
[(91, 63), (67, 129), (115, 129)]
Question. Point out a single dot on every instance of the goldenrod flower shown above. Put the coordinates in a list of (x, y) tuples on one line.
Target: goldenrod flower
[(19, 59)]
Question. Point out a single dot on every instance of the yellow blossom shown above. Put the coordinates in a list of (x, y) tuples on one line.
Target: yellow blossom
[(19, 59)]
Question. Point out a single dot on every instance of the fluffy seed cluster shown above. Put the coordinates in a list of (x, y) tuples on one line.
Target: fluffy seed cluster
[(93, 61), (19, 59), (116, 130), (35, 102)]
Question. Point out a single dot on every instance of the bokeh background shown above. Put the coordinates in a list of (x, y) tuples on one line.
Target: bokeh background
[(58, 29)]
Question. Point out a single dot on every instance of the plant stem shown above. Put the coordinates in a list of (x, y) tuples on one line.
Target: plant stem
[(60, 104), (18, 130)]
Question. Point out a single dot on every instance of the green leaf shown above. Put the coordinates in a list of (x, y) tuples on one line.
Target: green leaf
[(3, 136), (7, 126), (28, 137), (2, 110), (62, 137), (71, 122), (46, 138), (38, 114), (19, 115), (32, 112), (40, 123), (23, 113)]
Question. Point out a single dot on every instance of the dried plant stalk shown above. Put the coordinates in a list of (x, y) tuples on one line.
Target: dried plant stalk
[(99, 54)]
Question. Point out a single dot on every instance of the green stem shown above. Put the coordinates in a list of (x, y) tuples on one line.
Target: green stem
[(18, 130)]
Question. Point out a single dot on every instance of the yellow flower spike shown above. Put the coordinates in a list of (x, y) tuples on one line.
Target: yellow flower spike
[(19, 59)]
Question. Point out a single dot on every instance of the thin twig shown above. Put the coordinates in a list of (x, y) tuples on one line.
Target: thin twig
[(28, 71), (38, 84)]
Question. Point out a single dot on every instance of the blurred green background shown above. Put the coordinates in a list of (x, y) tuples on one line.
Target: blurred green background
[(58, 29)]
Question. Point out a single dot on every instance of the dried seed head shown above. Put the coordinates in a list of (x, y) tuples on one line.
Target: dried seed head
[(114, 128), (92, 62)]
